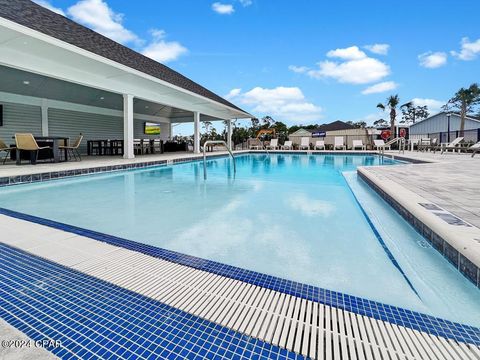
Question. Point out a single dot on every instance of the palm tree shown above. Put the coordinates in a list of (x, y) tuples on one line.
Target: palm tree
[(465, 100), (392, 103)]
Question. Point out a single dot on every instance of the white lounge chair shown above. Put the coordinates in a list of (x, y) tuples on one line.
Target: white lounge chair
[(454, 145), (339, 143), (287, 145), (273, 144), (304, 143), (380, 144), (474, 148), (319, 144), (358, 144)]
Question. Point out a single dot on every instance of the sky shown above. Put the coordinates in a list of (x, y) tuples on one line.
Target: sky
[(303, 61)]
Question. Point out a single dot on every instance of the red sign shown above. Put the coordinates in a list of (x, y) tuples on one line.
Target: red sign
[(385, 134), (403, 132)]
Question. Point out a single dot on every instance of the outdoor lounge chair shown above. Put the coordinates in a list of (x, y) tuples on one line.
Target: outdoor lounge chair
[(273, 144), (27, 142), (339, 143), (475, 148), (454, 145), (255, 144), (287, 145), (380, 144), (358, 144), (7, 149), (304, 143), (73, 149), (319, 144)]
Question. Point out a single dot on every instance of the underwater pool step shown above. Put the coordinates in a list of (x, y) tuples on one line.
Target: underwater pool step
[(308, 328)]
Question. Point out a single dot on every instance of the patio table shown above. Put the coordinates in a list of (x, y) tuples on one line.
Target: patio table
[(105, 146)]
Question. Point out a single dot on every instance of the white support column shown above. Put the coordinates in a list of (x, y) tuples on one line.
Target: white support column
[(229, 134), (170, 130), (44, 108), (196, 132), (128, 126)]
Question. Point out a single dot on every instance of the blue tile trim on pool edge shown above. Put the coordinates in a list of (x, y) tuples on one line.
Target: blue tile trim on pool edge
[(95, 319), (381, 241), (403, 317)]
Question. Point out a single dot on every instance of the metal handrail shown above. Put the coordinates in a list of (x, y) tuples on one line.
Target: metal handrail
[(208, 142), (401, 147)]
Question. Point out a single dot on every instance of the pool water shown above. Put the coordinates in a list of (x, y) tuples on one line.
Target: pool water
[(306, 218)]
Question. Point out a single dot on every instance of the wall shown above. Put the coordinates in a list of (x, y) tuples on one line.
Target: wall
[(20, 118), (439, 123), (70, 121)]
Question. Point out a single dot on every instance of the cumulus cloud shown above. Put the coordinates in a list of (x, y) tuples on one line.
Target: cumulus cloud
[(49, 6), (432, 60), (380, 87), (380, 49), (161, 50), (223, 9), (97, 15), (469, 50), (282, 103), (434, 106), (298, 69), (356, 67)]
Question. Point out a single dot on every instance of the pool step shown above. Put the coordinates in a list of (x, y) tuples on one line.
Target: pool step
[(309, 328)]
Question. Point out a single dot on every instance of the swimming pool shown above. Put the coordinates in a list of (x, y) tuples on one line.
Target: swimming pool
[(300, 217)]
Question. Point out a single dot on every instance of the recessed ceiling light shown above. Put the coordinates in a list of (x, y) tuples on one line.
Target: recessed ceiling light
[(102, 98), (146, 107), (26, 82)]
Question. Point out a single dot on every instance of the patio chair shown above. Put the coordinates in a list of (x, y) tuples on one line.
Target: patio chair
[(338, 143), (319, 144), (273, 144), (7, 149), (27, 142), (454, 145), (287, 145), (474, 148), (304, 143), (380, 144), (255, 144), (73, 149), (358, 144)]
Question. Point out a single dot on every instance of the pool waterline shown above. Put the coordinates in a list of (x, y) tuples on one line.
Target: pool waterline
[(192, 218)]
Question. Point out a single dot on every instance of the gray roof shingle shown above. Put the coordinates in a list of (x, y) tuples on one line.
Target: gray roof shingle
[(36, 17)]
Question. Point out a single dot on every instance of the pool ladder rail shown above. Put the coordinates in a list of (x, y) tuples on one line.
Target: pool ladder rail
[(208, 142)]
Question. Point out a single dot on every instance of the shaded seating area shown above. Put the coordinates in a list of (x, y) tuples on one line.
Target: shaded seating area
[(6, 149)]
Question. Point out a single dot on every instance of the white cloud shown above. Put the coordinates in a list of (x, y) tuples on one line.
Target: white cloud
[(380, 49), (434, 106), (350, 53), (432, 60), (246, 3), (282, 103), (161, 50), (380, 87), (46, 4), (233, 93), (469, 50), (357, 67), (223, 9), (298, 69), (97, 15)]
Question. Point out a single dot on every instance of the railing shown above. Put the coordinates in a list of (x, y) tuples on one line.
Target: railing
[(471, 136), (205, 156)]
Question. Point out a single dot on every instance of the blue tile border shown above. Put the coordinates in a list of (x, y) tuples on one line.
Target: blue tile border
[(395, 315), (96, 319), (461, 263)]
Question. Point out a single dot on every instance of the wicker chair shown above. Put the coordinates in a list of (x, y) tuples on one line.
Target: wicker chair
[(7, 149), (27, 142), (73, 149)]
